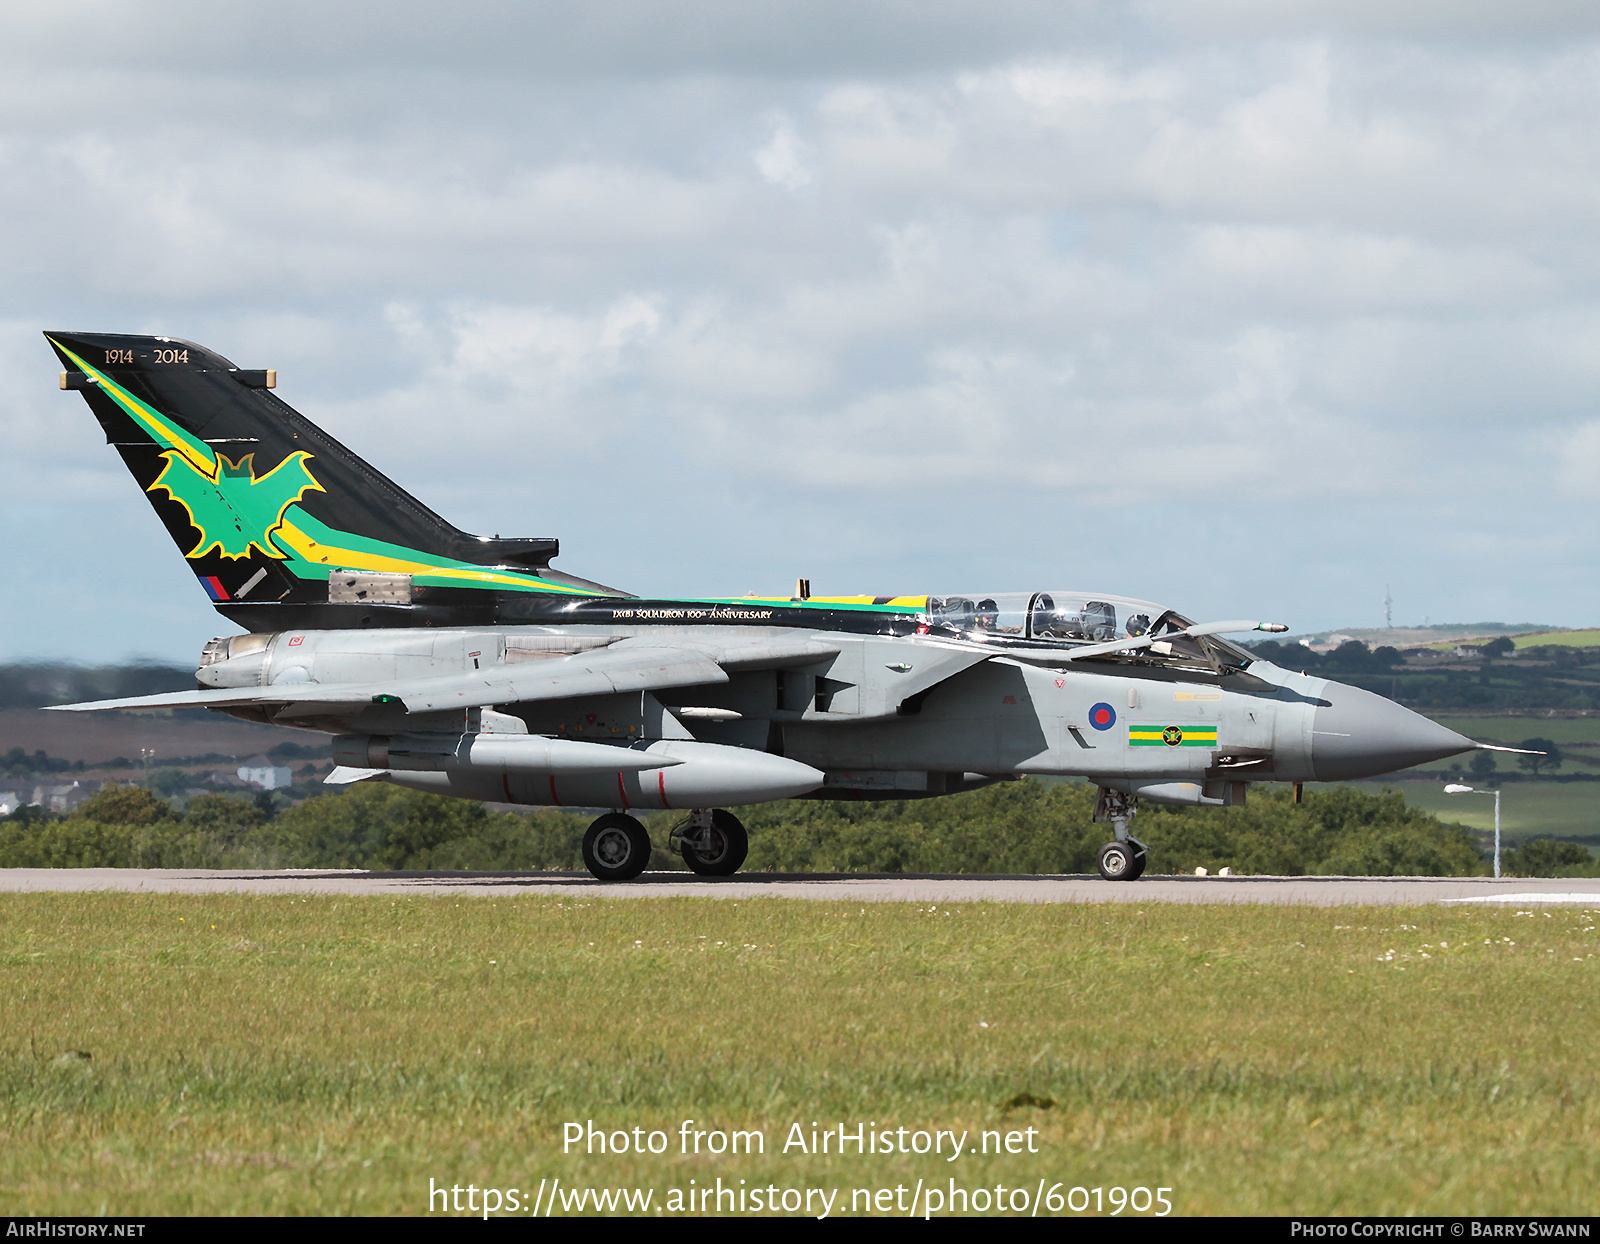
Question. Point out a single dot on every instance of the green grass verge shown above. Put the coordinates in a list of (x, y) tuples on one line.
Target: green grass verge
[(1527, 809), (281, 1055)]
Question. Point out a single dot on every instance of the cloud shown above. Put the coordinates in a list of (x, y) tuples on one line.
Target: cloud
[(1579, 457), (1200, 302), (782, 161)]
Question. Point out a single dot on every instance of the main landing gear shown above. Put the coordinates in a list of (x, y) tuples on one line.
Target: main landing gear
[(1124, 859), (712, 842), (616, 848)]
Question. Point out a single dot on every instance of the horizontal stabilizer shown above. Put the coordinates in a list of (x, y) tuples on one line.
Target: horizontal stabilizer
[(224, 697), (613, 670)]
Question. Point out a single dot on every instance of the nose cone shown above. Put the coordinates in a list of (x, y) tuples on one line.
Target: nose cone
[(1358, 734)]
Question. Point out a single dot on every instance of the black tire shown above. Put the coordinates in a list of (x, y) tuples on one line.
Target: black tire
[(730, 844), (1138, 867), (1119, 862), (616, 848)]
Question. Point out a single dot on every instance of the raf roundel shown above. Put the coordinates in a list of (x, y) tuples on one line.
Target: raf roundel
[(1102, 716)]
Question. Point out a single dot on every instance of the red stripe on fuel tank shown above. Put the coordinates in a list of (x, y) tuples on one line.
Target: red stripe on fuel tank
[(661, 785), (622, 791), (553, 797), (505, 785)]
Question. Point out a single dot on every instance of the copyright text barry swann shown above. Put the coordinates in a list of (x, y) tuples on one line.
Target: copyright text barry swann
[(1436, 1229)]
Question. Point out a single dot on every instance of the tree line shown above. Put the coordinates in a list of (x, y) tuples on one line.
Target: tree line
[(1025, 827)]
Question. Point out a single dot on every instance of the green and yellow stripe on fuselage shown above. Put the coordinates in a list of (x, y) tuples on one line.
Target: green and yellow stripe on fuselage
[(1172, 736)]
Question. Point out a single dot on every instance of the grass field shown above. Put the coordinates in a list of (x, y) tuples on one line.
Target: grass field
[(1567, 639), (176, 1054), (1527, 809), (1532, 639)]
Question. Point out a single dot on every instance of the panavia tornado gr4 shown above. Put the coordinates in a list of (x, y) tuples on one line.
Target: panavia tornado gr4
[(466, 666)]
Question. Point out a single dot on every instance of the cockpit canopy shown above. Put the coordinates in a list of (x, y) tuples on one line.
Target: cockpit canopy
[(1072, 619)]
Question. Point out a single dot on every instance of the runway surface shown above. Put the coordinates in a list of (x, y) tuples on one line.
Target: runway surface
[(832, 887)]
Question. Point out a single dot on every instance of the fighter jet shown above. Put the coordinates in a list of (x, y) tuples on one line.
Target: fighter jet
[(465, 665)]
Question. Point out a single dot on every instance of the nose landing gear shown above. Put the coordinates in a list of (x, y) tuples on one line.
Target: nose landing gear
[(1124, 859)]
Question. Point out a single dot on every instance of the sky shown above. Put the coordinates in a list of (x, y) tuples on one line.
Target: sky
[(1254, 309)]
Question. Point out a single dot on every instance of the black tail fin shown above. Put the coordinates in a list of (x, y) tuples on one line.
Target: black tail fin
[(282, 525)]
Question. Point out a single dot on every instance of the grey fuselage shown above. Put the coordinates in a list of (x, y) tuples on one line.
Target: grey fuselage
[(879, 716)]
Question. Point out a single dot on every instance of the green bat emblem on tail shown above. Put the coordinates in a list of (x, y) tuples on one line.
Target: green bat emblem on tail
[(235, 510)]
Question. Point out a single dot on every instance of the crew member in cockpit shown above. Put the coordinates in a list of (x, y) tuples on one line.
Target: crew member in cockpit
[(988, 619)]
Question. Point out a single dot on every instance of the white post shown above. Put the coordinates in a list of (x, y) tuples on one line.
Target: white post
[(1456, 789), (1497, 835)]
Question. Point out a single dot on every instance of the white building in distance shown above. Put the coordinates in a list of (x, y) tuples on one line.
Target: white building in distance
[(260, 771)]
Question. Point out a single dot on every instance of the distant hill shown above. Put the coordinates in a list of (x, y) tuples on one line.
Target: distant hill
[(1404, 637), (37, 684)]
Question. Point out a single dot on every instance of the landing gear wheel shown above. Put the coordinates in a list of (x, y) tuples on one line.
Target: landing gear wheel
[(616, 848), (727, 846), (1118, 861)]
